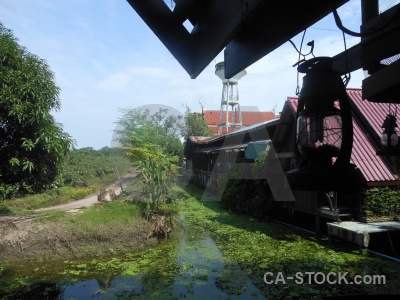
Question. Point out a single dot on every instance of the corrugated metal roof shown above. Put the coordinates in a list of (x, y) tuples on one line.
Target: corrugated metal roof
[(363, 155), (374, 113), (248, 117), (201, 139), (372, 166), (207, 140)]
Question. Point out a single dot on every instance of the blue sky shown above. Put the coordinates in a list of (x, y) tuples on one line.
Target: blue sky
[(106, 58)]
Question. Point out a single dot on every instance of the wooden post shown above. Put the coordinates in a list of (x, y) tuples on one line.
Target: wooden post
[(369, 10), (119, 179), (318, 224)]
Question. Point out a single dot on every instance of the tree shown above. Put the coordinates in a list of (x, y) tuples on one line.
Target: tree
[(196, 125), (158, 169), (32, 144), (158, 128), (152, 141)]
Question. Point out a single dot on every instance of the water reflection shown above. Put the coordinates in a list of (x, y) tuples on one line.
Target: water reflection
[(190, 266)]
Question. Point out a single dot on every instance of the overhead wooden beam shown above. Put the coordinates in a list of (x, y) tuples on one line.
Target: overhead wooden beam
[(168, 29), (384, 85), (274, 25), (216, 24), (221, 21), (375, 47), (348, 61)]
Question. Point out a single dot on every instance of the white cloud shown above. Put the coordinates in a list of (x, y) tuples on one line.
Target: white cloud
[(124, 79), (105, 57)]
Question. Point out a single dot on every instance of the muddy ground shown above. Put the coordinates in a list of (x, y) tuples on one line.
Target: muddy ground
[(34, 238)]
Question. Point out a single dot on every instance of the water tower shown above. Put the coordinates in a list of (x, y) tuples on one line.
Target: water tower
[(230, 97)]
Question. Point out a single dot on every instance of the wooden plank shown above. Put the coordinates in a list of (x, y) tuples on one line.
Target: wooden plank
[(168, 29), (221, 21), (384, 85), (217, 23), (348, 61), (373, 48), (274, 25), (367, 52), (370, 22)]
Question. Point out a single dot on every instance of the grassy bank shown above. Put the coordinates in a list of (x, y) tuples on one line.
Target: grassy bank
[(98, 230), (115, 227)]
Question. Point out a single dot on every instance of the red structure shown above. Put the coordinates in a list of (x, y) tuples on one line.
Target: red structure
[(249, 118)]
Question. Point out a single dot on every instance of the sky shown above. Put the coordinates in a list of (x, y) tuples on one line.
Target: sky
[(105, 58)]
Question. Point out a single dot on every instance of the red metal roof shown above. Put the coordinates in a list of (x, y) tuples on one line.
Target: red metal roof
[(363, 155), (373, 112), (373, 167), (248, 118)]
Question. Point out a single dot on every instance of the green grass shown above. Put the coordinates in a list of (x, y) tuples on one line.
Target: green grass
[(30, 202), (108, 213)]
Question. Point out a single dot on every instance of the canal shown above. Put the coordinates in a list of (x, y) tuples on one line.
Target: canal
[(213, 254)]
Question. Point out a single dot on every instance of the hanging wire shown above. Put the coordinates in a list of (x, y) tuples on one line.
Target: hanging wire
[(347, 76), (339, 23), (299, 60)]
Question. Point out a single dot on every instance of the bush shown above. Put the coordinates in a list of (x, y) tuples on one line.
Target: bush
[(251, 196), (381, 201), (80, 193), (86, 166)]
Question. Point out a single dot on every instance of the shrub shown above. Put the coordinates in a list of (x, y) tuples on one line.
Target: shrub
[(80, 193), (250, 195), (381, 201), (86, 166)]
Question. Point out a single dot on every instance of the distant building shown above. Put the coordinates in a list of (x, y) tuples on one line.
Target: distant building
[(250, 116)]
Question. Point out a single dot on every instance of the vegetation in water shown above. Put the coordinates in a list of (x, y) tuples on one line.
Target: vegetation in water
[(260, 247), (190, 264)]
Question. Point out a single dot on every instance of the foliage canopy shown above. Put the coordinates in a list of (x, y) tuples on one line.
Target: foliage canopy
[(195, 125), (152, 141), (160, 129), (32, 144)]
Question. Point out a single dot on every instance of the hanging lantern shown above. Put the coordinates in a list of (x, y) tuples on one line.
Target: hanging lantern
[(319, 133), (389, 137), (324, 131)]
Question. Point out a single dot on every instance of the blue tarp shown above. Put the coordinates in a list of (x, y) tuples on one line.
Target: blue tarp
[(254, 148)]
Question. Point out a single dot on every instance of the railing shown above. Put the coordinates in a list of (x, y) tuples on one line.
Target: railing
[(207, 179)]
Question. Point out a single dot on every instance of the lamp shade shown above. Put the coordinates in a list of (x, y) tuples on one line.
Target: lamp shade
[(319, 133)]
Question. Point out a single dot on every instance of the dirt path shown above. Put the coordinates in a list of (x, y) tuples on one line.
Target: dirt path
[(35, 238), (75, 205)]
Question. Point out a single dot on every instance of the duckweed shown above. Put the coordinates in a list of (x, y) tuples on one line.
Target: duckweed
[(216, 254)]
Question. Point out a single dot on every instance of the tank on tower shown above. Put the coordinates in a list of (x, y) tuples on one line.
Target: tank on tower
[(230, 98)]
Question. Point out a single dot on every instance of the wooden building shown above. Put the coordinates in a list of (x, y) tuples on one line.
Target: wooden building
[(209, 158)]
